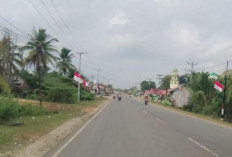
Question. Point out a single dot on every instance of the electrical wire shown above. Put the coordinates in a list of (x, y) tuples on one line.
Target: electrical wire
[(12, 33), (54, 20), (64, 23), (12, 25)]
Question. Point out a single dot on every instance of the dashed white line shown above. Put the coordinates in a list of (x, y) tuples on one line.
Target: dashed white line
[(145, 112), (159, 120), (202, 146)]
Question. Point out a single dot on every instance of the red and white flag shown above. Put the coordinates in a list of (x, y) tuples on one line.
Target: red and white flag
[(218, 86), (85, 83), (77, 77)]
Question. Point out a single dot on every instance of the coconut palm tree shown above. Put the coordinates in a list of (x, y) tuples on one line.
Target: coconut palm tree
[(65, 61), (40, 47), (10, 60)]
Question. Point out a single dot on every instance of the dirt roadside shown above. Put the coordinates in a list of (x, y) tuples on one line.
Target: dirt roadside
[(41, 146)]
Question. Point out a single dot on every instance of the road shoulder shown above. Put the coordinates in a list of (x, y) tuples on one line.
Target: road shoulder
[(57, 136), (207, 119)]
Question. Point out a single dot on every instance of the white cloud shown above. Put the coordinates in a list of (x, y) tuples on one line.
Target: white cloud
[(118, 20), (185, 34)]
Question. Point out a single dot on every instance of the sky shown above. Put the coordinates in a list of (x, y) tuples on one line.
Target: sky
[(131, 40)]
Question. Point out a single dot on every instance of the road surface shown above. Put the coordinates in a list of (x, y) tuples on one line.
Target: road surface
[(130, 129)]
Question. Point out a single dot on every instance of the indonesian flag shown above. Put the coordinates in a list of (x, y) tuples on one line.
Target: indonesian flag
[(77, 77), (218, 86), (85, 83)]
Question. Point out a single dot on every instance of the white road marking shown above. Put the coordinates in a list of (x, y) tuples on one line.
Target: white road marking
[(78, 132), (145, 112), (159, 120), (202, 146)]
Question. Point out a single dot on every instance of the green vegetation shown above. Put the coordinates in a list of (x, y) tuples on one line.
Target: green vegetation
[(146, 85), (207, 100), (11, 111), (65, 61), (4, 87), (166, 82), (39, 121)]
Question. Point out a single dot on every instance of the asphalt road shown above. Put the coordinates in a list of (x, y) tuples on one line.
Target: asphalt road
[(130, 129)]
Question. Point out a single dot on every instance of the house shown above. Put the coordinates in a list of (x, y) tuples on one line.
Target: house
[(157, 92), (180, 96)]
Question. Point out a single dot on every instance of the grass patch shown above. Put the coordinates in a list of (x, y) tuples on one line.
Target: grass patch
[(37, 124)]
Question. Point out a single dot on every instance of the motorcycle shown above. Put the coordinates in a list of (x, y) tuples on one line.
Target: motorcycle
[(119, 98), (113, 97), (146, 100)]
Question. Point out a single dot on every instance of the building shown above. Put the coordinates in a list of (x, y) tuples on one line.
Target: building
[(174, 83), (180, 96)]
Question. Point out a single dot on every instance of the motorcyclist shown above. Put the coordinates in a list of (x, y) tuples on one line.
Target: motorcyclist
[(146, 98), (119, 96)]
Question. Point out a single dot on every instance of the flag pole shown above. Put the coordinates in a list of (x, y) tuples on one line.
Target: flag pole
[(224, 93)]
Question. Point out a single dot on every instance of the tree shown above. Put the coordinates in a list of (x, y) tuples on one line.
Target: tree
[(146, 85), (184, 79), (40, 52), (65, 61), (165, 82), (10, 60)]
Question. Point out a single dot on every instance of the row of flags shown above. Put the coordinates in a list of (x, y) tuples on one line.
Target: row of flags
[(79, 79)]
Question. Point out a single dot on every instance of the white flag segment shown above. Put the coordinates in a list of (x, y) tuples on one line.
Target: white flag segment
[(77, 77), (218, 86)]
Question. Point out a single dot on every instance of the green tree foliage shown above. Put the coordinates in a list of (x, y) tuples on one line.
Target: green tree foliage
[(146, 85), (166, 82), (40, 49), (10, 60), (65, 61), (4, 87), (184, 79), (59, 89)]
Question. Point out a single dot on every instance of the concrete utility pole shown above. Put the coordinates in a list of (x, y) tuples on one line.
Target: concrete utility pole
[(159, 77), (79, 85), (224, 92), (98, 71), (192, 64)]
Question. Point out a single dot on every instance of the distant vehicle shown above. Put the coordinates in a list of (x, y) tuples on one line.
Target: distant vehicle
[(119, 97), (146, 100)]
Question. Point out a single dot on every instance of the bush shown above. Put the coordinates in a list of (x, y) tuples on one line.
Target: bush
[(11, 110), (4, 87), (85, 95), (197, 101)]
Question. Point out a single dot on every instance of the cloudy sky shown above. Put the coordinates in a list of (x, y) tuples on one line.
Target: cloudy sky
[(131, 40)]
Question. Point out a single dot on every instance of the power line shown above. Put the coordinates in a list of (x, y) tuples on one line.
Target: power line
[(12, 33), (63, 21), (41, 15), (12, 25), (53, 18)]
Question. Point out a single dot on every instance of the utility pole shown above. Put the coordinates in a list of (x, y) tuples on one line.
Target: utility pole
[(79, 85), (192, 64), (224, 92), (159, 77), (98, 71)]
